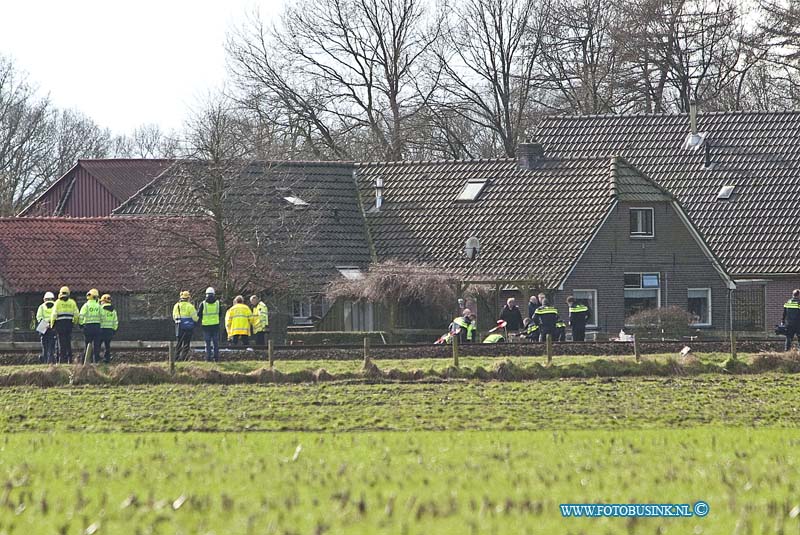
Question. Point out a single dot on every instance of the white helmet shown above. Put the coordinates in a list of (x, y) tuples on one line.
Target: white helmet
[(49, 295), (211, 291)]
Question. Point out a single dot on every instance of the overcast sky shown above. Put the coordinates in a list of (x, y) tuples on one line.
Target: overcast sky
[(124, 63)]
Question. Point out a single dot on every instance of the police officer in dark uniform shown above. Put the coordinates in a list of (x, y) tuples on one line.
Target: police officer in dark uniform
[(791, 318), (546, 318), (578, 318)]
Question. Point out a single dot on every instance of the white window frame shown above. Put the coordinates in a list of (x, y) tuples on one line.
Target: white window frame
[(302, 320), (595, 314), (641, 287), (708, 308), (639, 235)]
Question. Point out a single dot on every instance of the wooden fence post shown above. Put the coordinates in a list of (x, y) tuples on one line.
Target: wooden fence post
[(171, 356), (636, 353), (366, 351), (270, 354), (733, 345), (455, 350), (549, 348)]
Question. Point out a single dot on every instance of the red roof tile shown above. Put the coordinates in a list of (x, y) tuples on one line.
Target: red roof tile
[(40, 254)]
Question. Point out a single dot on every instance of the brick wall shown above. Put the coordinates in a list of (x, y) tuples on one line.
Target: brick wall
[(672, 252), (778, 292)]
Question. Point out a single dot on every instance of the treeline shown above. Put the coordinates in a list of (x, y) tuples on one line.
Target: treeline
[(430, 79)]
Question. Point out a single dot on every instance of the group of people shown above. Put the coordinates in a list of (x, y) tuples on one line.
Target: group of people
[(56, 318), (542, 320), (241, 321)]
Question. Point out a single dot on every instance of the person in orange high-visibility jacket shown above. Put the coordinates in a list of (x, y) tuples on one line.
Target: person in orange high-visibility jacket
[(238, 320)]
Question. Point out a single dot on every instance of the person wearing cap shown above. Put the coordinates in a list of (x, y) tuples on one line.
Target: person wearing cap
[(90, 323), (578, 318), (260, 319), (791, 318), (48, 337), (108, 325), (238, 320), (208, 312), (63, 317), (185, 316)]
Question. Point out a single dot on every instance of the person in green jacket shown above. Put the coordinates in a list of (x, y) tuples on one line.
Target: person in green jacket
[(48, 337), (90, 323), (62, 319), (108, 325)]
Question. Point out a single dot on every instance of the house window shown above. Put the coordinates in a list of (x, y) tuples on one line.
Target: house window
[(642, 223), (471, 190), (147, 307), (642, 291), (588, 298), (700, 306), (301, 311)]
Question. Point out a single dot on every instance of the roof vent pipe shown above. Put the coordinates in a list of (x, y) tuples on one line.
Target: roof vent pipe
[(378, 193)]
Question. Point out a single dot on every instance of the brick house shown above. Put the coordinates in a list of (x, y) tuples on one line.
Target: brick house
[(596, 228), (737, 174)]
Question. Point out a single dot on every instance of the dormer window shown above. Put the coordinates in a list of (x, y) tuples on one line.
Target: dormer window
[(472, 189), (694, 141)]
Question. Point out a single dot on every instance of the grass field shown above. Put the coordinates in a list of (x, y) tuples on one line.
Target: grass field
[(447, 457)]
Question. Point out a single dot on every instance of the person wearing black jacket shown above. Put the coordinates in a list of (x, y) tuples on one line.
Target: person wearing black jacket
[(533, 304), (791, 318), (511, 315), (546, 317), (578, 318)]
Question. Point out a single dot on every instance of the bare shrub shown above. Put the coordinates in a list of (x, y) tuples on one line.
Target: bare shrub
[(668, 322)]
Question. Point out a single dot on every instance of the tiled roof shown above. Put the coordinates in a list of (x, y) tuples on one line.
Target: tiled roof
[(757, 230), (532, 224), (339, 236), (124, 177), (39, 254)]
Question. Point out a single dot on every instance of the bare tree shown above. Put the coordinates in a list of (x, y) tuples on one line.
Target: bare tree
[(340, 70), (488, 56), (583, 57), (25, 140), (76, 136), (688, 50)]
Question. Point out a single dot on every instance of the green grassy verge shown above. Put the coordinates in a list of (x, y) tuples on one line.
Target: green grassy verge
[(605, 403), (419, 483)]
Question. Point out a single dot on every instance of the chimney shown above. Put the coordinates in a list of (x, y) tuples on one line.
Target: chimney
[(378, 193), (529, 154), (693, 117)]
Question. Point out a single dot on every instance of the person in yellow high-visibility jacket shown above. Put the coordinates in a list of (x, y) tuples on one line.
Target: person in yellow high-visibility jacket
[(238, 320), (260, 319)]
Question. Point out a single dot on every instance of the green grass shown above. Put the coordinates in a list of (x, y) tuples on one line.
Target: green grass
[(426, 482), (416, 458)]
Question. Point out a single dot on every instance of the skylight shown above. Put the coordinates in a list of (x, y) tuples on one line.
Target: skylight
[(725, 193), (350, 273), (472, 189), (295, 201), (694, 141)]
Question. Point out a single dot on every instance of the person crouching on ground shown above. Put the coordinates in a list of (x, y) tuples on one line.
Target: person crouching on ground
[(48, 337), (238, 320), (209, 318), (109, 322), (185, 316)]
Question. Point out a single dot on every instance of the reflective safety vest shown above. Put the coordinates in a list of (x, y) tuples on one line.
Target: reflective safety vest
[(108, 317), (64, 310), (44, 312), (561, 324), (260, 317), (791, 312), (90, 313), (469, 327), (238, 320), (578, 308), (210, 313), (493, 338), (184, 310)]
